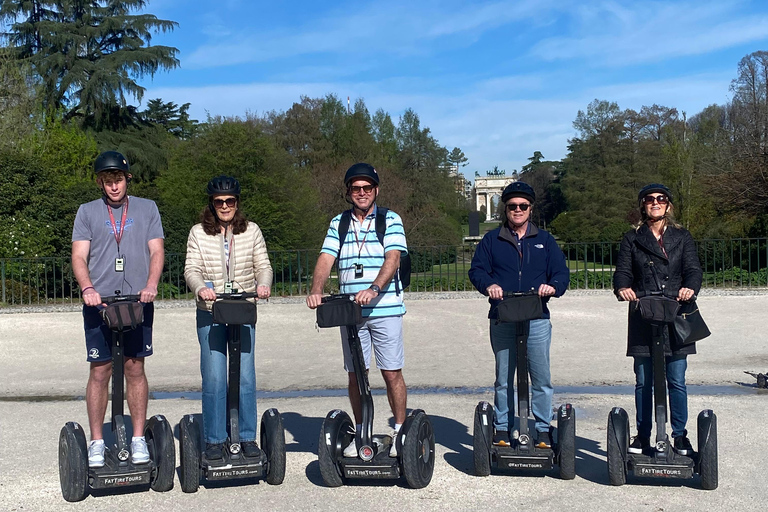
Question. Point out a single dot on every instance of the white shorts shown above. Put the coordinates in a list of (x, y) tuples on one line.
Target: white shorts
[(386, 333)]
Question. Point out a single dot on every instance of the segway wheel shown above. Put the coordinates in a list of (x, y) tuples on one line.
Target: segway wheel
[(189, 439), (162, 450), (618, 429), (336, 433), (566, 441), (419, 451), (273, 444), (73, 462), (707, 438), (481, 438)]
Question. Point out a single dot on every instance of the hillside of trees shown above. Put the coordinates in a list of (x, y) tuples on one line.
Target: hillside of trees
[(69, 76)]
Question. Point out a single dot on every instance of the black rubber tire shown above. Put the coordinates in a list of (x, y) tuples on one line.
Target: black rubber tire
[(708, 465), (189, 445), (162, 450), (335, 430), (481, 444), (617, 472), (419, 452), (273, 444), (566, 446), (73, 462)]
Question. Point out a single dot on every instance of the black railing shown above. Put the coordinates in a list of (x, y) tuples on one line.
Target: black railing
[(736, 263)]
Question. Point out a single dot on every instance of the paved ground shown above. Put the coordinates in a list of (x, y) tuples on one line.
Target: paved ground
[(447, 349)]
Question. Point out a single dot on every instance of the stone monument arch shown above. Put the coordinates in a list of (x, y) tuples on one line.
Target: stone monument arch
[(488, 191)]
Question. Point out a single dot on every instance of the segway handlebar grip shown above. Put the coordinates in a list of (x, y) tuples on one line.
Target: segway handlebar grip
[(237, 295), (350, 296), (111, 299), (532, 291)]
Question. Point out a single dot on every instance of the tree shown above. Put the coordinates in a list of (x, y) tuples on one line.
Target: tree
[(88, 55), (170, 116), (457, 158)]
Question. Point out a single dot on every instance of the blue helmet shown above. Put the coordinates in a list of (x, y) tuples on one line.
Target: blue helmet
[(653, 187), (361, 170), (518, 189)]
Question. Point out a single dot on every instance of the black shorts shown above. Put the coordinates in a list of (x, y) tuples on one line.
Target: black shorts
[(98, 337)]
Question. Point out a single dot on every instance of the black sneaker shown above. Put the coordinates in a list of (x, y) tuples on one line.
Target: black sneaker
[(682, 445), (501, 438), (544, 439), (214, 451), (251, 449), (639, 444)]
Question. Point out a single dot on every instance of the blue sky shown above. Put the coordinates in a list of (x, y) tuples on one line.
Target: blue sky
[(499, 79)]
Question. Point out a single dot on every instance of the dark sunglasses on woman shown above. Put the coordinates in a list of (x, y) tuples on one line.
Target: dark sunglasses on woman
[(230, 201), (661, 199)]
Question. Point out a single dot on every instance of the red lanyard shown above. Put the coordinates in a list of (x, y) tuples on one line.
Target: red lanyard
[(118, 233), (357, 242)]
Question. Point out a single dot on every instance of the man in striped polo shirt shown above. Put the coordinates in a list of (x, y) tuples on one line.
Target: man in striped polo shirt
[(368, 268)]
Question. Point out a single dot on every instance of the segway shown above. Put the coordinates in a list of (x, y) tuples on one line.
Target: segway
[(118, 470), (415, 441), (661, 461), (233, 310), (523, 454)]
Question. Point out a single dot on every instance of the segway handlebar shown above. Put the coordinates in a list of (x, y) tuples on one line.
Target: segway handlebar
[(350, 296), (640, 294), (111, 299), (237, 295), (532, 291)]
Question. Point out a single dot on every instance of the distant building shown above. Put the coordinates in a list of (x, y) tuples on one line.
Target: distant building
[(487, 192)]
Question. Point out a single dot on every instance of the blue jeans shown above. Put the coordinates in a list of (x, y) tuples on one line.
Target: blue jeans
[(678, 394), (503, 340), (214, 370)]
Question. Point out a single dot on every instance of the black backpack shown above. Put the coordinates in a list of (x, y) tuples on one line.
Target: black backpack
[(404, 272)]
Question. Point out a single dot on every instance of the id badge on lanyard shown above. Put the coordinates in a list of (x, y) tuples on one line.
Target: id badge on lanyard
[(119, 261)]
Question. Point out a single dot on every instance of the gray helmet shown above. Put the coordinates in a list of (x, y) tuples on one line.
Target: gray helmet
[(518, 189), (111, 161), (653, 187), (223, 185), (361, 170)]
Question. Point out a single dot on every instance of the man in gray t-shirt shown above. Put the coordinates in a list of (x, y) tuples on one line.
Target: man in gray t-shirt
[(117, 248)]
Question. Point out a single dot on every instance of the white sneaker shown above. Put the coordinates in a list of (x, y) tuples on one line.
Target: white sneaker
[(351, 450), (393, 448), (96, 454), (139, 451)]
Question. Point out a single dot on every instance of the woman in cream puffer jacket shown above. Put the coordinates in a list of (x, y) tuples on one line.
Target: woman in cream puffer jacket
[(225, 247)]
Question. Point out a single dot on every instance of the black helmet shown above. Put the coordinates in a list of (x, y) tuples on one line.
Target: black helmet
[(223, 185), (111, 161), (518, 189), (361, 170), (653, 187)]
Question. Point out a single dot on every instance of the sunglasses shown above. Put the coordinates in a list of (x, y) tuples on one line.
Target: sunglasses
[(230, 202), (354, 189), (661, 199), (523, 207)]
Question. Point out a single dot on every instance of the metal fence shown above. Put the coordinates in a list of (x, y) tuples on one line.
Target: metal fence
[(736, 263)]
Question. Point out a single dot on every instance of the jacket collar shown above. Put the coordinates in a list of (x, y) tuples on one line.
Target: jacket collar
[(647, 240), (505, 233)]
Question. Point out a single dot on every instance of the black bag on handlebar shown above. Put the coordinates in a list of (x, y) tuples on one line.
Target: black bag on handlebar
[(520, 308), (689, 325), (658, 309), (234, 312), (123, 316), (338, 312)]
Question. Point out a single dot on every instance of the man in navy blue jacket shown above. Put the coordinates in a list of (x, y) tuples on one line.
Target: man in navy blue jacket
[(519, 257)]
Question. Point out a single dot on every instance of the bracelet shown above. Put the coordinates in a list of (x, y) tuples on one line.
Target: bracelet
[(87, 288)]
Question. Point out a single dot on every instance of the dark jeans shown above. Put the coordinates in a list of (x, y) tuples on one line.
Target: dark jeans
[(678, 394)]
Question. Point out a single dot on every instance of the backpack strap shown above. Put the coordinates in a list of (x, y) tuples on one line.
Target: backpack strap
[(346, 218), (381, 223)]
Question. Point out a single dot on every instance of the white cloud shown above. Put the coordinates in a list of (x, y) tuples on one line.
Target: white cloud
[(617, 35)]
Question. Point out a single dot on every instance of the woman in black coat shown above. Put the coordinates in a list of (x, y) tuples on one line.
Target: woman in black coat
[(657, 238)]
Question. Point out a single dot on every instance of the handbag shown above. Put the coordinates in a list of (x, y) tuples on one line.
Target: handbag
[(658, 309), (123, 316), (519, 308), (338, 311), (234, 312), (689, 325)]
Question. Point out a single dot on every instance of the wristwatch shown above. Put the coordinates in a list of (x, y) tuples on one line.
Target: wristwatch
[(375, 288)]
